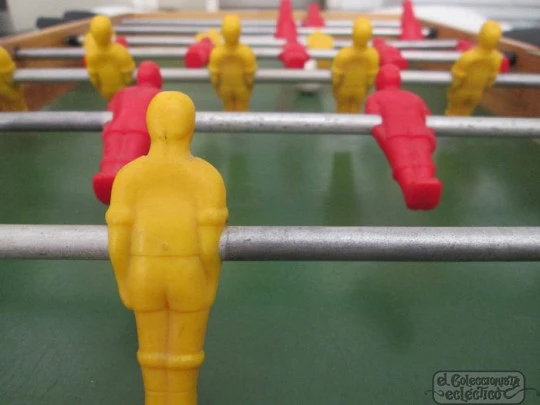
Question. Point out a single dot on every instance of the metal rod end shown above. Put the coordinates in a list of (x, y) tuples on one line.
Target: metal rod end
[(512, 57), (72, 40), (432, 33)]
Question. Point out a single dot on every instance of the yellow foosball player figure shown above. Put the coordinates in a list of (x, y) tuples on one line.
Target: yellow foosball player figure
[(167, 212), (354, 69), (11, 93), (212, 34), (232, 67), (109, 65), (318, 40), (475, 71), (88, 43)]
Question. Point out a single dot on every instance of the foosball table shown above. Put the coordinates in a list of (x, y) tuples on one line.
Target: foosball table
[(331, 290)]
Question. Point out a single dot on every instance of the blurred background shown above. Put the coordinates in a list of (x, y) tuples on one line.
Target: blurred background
[(22, 14)]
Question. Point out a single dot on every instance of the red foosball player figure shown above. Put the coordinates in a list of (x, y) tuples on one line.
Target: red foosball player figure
[(167, 213), (198, 54), (125, 138), (294, 55), (285, 25), (121, 40), (388, 54), (411, 30), (405, 139), (314, 18), (464, 45)]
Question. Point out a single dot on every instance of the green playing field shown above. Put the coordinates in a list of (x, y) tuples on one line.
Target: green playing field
[(279, 333)]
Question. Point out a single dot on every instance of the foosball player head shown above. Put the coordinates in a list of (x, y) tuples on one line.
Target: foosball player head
[(314, 17), (389, 55), (149, 74), (411, 29), (198, 54), (319, 40), (101, 30), (285, 25), (294, 55)]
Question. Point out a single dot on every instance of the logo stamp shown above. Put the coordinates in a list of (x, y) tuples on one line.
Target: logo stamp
[(478, 387)]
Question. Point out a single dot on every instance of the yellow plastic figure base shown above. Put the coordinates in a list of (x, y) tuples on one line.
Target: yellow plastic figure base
[(168, 210), (354, 69), (475, 71), (232, 67), (320, 40), (109, 65), (11, 93)]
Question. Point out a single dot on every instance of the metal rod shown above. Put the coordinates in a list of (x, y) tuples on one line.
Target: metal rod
[(274, 42), (214, 23), (273, 123), (260, 53), (252, 29), (60, 75), (338, 31), (55, 121), (256, 243)]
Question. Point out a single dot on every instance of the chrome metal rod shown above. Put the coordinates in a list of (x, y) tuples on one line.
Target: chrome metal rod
[(272, 123), (274, 42), (268, 76), (56, 121), (260, 53), (215, 23), (171, 29), (256, 243)]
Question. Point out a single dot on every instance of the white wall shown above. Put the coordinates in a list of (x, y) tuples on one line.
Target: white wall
[(25, 12), (297, 4), (361, 5), (182, 4), (199, 4), (503, 10)]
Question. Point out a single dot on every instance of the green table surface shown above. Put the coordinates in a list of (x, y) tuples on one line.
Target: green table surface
[(279, 333)]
